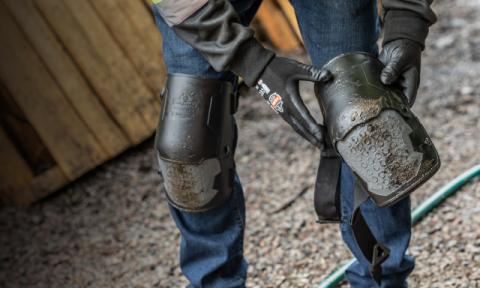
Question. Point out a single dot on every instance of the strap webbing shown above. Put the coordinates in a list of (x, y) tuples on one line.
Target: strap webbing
[(327, 197), (327, 207), (374, 252)]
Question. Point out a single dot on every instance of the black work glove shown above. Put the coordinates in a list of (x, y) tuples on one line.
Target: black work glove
[(402, 60), (279, 86)]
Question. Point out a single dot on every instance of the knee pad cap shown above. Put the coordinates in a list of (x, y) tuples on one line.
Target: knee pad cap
[(195, 142)]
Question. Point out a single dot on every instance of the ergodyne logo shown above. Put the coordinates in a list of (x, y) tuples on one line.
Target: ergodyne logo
[(274, 99)]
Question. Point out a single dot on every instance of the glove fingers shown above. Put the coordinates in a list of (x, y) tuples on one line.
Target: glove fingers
[(303, 116), (309, 129), (383, 57), (393, 66), (390, 73), (304, 133), (300, 110), (409, 83), (310, 73)]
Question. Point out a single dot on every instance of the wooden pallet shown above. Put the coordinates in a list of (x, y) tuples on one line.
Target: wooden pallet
[(78, 85)]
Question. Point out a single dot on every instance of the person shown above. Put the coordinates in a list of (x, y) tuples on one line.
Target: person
[(207, 44)]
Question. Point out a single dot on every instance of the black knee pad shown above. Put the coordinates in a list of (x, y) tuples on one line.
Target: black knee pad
[(195, 142)]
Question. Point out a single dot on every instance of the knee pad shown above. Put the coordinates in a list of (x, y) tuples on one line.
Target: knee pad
[(195, 142), (374, 131)]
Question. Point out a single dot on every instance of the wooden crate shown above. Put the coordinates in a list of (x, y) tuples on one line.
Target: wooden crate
[(79, 82), (276, 24), (78, 85)]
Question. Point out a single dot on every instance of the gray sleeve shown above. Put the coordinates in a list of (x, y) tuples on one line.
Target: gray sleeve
[(176, 11), (408, 19), (216, 32)]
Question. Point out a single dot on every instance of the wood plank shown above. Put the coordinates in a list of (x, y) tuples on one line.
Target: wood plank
[(143, 57), (72, 145), (22, 134), (145, 102), (113, 77), (147, 3), (141, 16), (380, 9), (68, 77), (277, 28), (15, 174), (46, 183), (289, 12)]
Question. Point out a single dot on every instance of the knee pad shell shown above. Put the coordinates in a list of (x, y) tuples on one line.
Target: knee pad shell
[(373, 129), (195, 142)]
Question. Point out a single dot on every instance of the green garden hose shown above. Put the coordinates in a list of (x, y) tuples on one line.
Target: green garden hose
[(423, 209)]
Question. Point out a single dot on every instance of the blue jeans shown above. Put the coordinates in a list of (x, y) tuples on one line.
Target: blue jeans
[(211, 249)]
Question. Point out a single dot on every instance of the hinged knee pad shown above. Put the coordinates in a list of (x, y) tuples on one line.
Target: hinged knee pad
[(195, 142), (373, 129)]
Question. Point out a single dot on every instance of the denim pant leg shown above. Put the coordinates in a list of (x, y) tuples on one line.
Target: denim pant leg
[(390, 225), (211, 248), (330, 28)]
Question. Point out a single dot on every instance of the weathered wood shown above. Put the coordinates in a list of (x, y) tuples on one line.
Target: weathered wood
[(147, 3), (106, 67), (72, 145), (68, 77), (14, 174), (144, 101), (141, 16), (380, 9), (22, 134), (19, 185), (290, 17), (277, 28), (146, 60), (45, 183)]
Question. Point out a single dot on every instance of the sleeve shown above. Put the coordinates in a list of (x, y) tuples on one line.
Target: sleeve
[(214, 29), (407, 19)]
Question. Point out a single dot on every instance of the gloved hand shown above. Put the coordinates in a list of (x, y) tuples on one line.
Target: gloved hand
[(402, 60), (215, 30), (279, 86)]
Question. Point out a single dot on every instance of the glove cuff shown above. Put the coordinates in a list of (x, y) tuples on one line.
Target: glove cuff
[(403, 24), (250, 61)]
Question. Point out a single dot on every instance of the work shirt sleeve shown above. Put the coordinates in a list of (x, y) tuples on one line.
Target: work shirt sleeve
[(407, 19), (214, 29)]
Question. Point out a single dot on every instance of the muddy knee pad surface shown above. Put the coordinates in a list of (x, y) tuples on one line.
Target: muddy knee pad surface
[(382, 153), (373, 129), (195, 142)]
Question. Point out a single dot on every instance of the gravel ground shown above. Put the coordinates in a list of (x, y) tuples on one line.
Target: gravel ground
[(112, 228)]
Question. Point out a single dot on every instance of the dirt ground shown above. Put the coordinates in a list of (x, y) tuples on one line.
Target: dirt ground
[(112, 227)]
